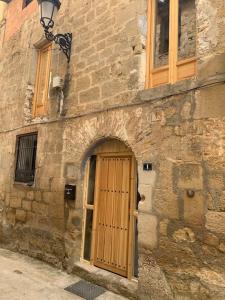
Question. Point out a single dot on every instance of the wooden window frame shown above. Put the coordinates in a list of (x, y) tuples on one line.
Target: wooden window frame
[(175, 70), (42, 111)]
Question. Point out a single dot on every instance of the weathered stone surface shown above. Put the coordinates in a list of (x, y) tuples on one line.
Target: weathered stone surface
[(20, 215), (147, 231), (190, 176), (15, 202), (211, 239), (26, 205), (194, 209), (185, 234), (154, 284), (209, 103), (215, 221)]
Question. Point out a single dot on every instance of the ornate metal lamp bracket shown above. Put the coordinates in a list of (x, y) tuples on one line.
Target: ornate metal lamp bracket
[(63, 40)]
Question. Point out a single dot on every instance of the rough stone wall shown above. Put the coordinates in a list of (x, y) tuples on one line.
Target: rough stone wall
[(179, 128)]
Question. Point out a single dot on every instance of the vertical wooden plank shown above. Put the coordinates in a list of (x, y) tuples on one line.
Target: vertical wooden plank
[(148, 45), (107, 213), (112, 217), (173, 39), (114, 211), (98, 164), (36, 82), (152, 37), (85, 189), (126, 211), (133, 199)]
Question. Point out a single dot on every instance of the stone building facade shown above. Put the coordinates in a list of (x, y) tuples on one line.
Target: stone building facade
[(177, 130)]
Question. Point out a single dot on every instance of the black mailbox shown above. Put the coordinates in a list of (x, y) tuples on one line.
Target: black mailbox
[(70, 192)]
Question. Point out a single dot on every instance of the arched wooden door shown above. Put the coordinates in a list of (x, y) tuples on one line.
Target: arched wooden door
[(113, 209)]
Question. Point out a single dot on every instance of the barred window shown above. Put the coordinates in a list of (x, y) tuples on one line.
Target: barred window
[(26, 146)]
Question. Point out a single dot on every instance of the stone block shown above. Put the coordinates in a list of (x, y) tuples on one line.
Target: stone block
[(163, 227), (91, 95), (57, 184), (111, 88), (147, 230), (38, 196), (222, 247), (15, 202), (71, 171), (210, 102), (211, 67), (146, 204), (40, 208), (194, 209), (20, 215), (215, 222), (10, 216), (190, 176), (165, 203), (211, 239), (26, 205), (83, 83), (216, 181), (146, 178), (100, 75), (56, 211), (184, 235), (30, 195), (165, 172)]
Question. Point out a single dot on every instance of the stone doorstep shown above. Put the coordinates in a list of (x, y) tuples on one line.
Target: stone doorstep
[(106, 279)]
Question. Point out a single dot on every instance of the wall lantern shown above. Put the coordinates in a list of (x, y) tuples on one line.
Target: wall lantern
[(48, 10)]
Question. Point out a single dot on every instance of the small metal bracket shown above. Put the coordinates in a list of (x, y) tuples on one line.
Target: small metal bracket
[(63, 40)]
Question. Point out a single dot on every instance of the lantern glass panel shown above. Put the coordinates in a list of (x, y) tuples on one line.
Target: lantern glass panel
[(48, 12)]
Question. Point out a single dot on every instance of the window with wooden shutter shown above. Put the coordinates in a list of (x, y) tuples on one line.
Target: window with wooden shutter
[(42, 81)]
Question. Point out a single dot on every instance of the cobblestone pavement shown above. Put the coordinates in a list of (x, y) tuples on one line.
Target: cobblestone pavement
[(24, 278)]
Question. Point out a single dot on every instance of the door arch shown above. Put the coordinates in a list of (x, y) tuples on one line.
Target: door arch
[(110, 209)]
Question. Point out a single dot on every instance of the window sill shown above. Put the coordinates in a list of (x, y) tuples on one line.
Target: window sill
[(23, 184), (167, 90)]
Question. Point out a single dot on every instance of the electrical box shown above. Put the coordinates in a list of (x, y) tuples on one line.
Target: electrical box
[(57, 82)]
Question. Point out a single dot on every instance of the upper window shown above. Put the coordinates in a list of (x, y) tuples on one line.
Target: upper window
[(26, 146), (26, 3), (42, 81), (172, 40)]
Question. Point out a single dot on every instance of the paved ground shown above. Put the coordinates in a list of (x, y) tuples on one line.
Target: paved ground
[(23, 278)]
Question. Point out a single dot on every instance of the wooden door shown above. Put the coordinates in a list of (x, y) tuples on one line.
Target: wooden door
[(113, 193)]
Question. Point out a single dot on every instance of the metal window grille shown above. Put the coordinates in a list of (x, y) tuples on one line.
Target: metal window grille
[(26, 157)]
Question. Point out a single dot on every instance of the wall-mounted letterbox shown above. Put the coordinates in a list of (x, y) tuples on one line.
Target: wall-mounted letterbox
[(70, 192)]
